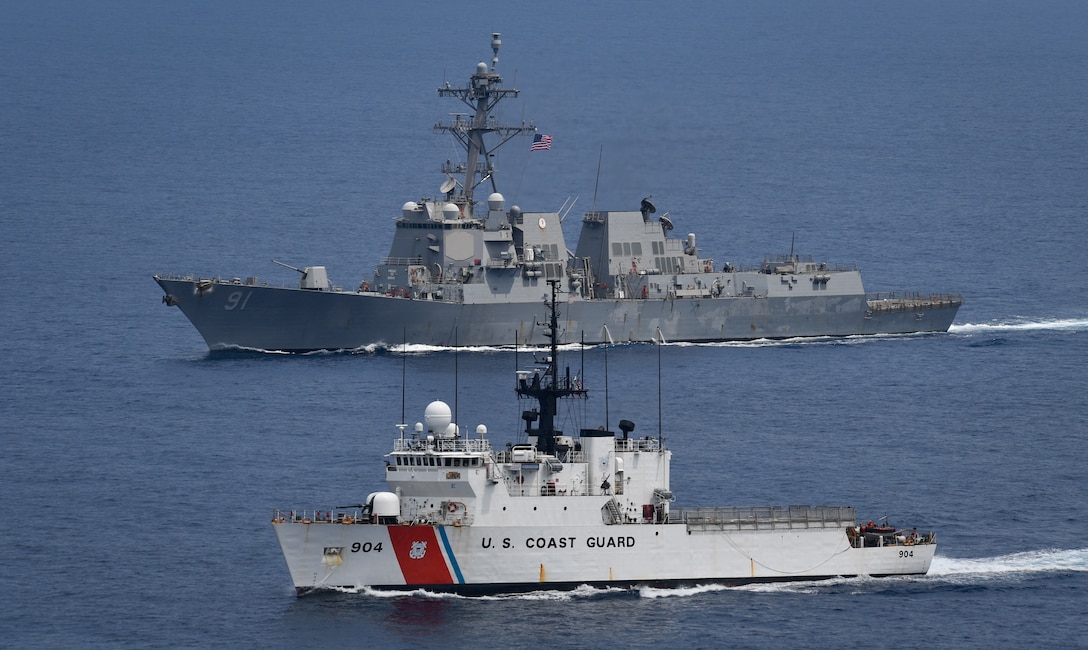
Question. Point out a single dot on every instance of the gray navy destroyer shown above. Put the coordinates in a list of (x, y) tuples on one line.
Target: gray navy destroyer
[(466, 272)]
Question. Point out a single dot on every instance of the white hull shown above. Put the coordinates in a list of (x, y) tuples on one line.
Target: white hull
[(497, 559)]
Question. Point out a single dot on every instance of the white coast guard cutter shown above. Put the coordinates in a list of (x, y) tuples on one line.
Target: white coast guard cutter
[(563, 511)]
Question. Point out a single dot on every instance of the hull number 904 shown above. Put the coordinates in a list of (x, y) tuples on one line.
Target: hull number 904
[(906, 553), (366, 547)]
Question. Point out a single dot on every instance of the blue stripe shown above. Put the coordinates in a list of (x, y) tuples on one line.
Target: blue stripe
[(449, 554)]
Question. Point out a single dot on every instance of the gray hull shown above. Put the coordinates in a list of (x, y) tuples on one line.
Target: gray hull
[(463, 270), (233, 316)]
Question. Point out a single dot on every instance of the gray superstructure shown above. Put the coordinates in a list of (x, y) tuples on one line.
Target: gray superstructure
[(461, 271)]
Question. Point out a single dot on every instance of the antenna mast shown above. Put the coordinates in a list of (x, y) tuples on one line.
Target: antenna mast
[(403, 370), (660, 344), (548, 387), (597, 183), (482, 94)]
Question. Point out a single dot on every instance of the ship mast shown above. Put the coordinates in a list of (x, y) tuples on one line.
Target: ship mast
[(482, 94), (548, 387)]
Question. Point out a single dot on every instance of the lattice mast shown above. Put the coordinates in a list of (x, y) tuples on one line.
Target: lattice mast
[(482, 94)]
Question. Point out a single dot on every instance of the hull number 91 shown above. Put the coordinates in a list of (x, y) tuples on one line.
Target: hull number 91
[(236, 301)]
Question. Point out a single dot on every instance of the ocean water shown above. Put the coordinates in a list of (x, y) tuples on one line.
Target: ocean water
[(942, 146)]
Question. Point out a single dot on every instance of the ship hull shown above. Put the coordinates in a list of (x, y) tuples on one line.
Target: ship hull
[(508, 559), (232, 315)]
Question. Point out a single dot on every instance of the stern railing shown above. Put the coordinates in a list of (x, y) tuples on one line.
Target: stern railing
[(764, 517)]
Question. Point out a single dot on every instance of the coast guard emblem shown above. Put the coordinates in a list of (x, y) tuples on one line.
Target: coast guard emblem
[(419, 549)]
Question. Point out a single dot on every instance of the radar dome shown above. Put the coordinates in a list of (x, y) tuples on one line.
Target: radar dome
[(438, 416), (496, 201), (451, 211), (409, 207), (481, 68)]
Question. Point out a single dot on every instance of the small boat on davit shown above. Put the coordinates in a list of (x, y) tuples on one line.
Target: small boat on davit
[(557, 511)]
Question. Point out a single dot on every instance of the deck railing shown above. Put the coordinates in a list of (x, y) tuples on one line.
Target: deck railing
[(905, 301), (460, 445), (764, 517)]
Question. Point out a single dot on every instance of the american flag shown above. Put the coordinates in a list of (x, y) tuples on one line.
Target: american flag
[(541, 142)]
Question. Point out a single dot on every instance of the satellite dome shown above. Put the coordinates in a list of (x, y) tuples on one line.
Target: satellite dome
[(438, 416), (451, 211), (481, 68), (496, 201)]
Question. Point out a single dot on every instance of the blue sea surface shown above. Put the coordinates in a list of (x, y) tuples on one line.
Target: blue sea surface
[(940, 146)]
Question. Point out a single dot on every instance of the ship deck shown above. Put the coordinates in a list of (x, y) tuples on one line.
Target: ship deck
[(883, 303)]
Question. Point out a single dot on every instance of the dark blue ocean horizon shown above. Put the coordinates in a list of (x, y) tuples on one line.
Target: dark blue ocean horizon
[(942, 147)]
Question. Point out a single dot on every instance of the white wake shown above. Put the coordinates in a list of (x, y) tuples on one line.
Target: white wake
[(1022, 325), (1027, 562)]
